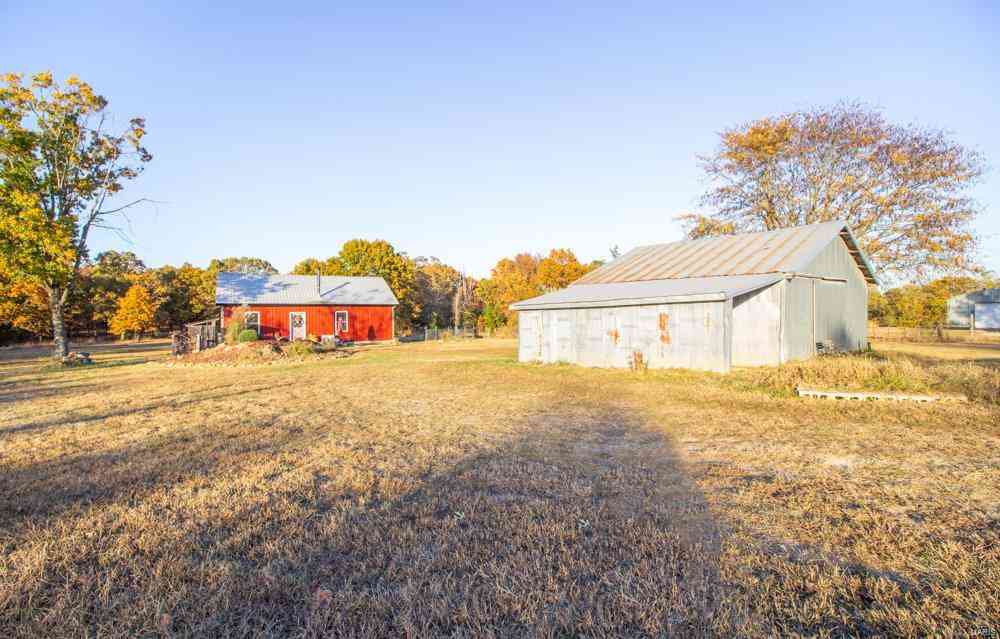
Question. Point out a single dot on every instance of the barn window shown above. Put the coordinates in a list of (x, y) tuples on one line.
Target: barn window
[(251, 321), (340, 318)]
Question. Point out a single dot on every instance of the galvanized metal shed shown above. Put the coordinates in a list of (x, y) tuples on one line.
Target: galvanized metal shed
[(713, 303), (976, 309)]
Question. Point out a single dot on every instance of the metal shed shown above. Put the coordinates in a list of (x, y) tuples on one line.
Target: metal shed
[(713, 303), (976, 309)]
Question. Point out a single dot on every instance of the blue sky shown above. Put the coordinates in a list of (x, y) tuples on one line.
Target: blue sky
[(472, 131)]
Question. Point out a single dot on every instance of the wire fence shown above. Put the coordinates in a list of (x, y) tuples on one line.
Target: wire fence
[(435, 334), (920, 334)]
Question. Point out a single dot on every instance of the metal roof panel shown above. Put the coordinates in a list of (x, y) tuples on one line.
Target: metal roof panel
[(307, 290), (786, 250), (649, 292)]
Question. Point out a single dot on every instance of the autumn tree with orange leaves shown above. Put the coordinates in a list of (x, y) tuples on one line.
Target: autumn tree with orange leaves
[(136, 313), (526, 275), (904, 189)]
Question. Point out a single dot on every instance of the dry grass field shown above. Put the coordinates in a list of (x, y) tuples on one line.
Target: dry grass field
[(446, 490)]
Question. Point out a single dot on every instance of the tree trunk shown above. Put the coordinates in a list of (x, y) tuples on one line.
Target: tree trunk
[(60, 339)]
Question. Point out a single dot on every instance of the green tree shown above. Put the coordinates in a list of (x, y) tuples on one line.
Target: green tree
[(107, 280), (185, 294), (379, 258), (903, 189), (60, 169), (910, 305), (248, 265), (493, 318), (436, 284), (309, 266), (879, 309), (925, 305), (313, 266)]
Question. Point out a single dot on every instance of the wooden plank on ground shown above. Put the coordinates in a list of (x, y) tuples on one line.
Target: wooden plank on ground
[(897, 397)]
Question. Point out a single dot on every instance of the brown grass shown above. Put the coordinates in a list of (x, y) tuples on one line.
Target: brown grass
[(445, 490), (916, 369)]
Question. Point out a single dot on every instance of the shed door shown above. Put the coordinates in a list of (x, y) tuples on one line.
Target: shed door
[(828, 308), (296, 325), (987, 315), (562, 335)]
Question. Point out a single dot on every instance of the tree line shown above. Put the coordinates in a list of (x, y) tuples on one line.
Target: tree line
[(904, 189), (117, 294), (922, 305)]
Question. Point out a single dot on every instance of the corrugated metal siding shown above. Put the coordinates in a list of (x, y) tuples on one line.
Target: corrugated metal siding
[(842, 313), (818, 310), (757, 327), (364, 323), (821, 294), (832, 324), (691, 335), (797, 320)]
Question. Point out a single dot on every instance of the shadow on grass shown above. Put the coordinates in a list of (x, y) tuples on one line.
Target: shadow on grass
[(97, 365), (583, 523), (40, 388), (29, 353), (169, 402), (571, 530), (37, 493), (577, 526)]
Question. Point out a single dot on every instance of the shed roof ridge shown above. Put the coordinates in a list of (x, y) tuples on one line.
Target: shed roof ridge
[(786, 249)]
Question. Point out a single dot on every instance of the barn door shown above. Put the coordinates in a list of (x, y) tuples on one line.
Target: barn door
[(297, 325)]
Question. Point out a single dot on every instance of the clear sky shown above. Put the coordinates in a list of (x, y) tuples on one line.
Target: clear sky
[(471, 131)]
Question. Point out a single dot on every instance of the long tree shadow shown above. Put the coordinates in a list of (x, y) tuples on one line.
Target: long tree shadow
[(583, 524), (575, 528), (553, 536)]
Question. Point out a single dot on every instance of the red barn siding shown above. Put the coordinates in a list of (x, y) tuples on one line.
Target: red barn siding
[(364, 323)]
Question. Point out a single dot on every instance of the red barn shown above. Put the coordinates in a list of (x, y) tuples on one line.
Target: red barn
[(355, 309)]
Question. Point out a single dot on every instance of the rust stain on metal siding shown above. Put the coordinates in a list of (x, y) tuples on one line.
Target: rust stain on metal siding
[(664, 328), (614, 335)]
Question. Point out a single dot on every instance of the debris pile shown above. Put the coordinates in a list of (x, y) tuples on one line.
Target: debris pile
[(258, 352), (77, 359)]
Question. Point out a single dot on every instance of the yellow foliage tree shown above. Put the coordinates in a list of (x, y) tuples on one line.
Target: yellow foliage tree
[(373, 258), (905, 190), (24, 306), (526, 275), (927, 306), (560, 269), (61, 170), (136, 313)]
